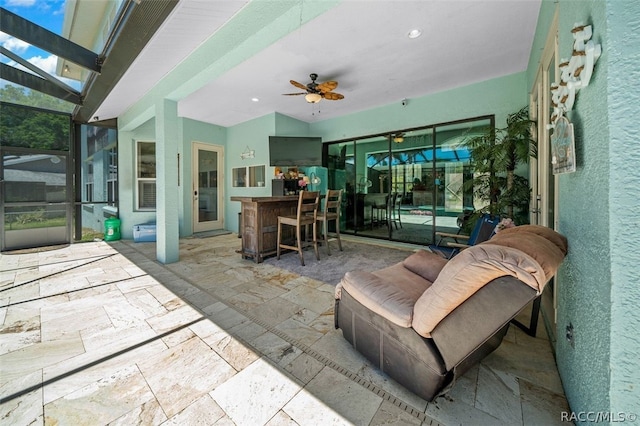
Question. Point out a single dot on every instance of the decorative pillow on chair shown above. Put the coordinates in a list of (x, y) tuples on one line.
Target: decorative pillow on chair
[(426, 264)]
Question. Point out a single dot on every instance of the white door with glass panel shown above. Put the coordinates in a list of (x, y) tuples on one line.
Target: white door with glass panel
[(544, 204), (207, 186)]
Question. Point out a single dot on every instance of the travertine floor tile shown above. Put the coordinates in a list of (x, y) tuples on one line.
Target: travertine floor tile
[(256, 394), (21, 407), (540, 406), (101, 402), (331, 398), (182, 374), (452, 412), (390, 414), (304, 367), (204, 411), (299, 331), (68, 376), (276, 349), (100, 349), (498, 394)]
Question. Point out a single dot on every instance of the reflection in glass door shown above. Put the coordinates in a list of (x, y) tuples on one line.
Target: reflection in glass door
[(406, 185), (412, 193), (207, 187), (453, 174)]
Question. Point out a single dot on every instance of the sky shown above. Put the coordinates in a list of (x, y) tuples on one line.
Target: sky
[(46, 13)]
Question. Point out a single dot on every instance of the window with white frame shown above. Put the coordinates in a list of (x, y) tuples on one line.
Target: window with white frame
[(112, 177), (146, 175)]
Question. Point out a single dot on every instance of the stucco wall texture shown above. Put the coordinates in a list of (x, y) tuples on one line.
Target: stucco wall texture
[(624, 153), (597, 290)]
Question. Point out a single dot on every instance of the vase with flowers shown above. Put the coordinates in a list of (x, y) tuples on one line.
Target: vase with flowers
[(303, 182)]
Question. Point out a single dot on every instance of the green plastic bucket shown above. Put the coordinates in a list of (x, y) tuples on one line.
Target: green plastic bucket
[(112, 229)]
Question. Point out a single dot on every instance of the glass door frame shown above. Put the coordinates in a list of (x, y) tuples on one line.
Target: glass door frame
[(217, 180), (544, 184)]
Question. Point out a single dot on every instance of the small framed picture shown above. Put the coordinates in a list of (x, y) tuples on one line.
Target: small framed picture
[(563, 148)]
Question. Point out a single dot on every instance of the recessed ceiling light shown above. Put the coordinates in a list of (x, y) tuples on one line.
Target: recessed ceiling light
[(255, 99), (415, 33)]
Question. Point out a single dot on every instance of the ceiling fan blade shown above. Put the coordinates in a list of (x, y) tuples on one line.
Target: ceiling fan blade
[(332, 96), (294, 94), (298, 85), (327, 86)]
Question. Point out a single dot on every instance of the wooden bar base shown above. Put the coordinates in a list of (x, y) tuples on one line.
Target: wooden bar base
[(259, 226)]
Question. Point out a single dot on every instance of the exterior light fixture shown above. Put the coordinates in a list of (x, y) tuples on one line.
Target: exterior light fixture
[(313, 98)]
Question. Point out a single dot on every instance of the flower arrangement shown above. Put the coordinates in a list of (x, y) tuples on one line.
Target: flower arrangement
[(505, 223), (303, 182)]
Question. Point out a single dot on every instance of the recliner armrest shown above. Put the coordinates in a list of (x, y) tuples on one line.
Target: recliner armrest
[(454, 236), (476, 320)]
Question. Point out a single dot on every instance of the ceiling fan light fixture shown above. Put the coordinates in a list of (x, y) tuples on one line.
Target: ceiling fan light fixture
[(312, 98)]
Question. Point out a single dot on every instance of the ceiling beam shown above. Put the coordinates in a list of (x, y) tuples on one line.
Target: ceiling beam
[(34, 82), (45, 75), (35, 35)]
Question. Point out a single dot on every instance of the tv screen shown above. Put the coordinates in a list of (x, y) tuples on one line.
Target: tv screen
[(295, 151)]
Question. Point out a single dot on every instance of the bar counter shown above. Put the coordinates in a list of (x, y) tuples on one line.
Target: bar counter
[(259, 224)]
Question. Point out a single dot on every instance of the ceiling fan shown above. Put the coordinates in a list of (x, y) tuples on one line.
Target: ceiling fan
[(314, 92)]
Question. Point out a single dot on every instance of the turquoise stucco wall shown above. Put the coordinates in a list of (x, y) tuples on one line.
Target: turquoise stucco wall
[(584, 284), (254, 134), (624, 182), (598, 212)]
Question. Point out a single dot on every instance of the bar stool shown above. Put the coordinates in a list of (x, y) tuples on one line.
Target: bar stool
[(393, 209), (331, 212), (307, 214)]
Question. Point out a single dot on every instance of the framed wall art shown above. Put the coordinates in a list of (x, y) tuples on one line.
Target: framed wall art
[(563, 147)]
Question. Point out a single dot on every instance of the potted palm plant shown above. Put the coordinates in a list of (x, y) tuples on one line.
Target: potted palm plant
[(495, 156)]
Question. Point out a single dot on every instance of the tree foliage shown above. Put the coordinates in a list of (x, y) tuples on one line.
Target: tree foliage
[(31, 128), (22, 96), (495, 155)]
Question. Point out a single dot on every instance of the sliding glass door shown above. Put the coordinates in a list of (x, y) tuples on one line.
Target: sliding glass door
[(406, 185)]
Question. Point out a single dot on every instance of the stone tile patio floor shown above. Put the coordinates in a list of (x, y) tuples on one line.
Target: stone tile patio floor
[(100, 333)]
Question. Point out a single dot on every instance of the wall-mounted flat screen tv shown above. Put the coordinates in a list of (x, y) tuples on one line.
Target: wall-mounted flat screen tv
[(295, 151)]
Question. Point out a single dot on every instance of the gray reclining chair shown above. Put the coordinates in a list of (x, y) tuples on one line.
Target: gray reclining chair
[(426, 320)]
